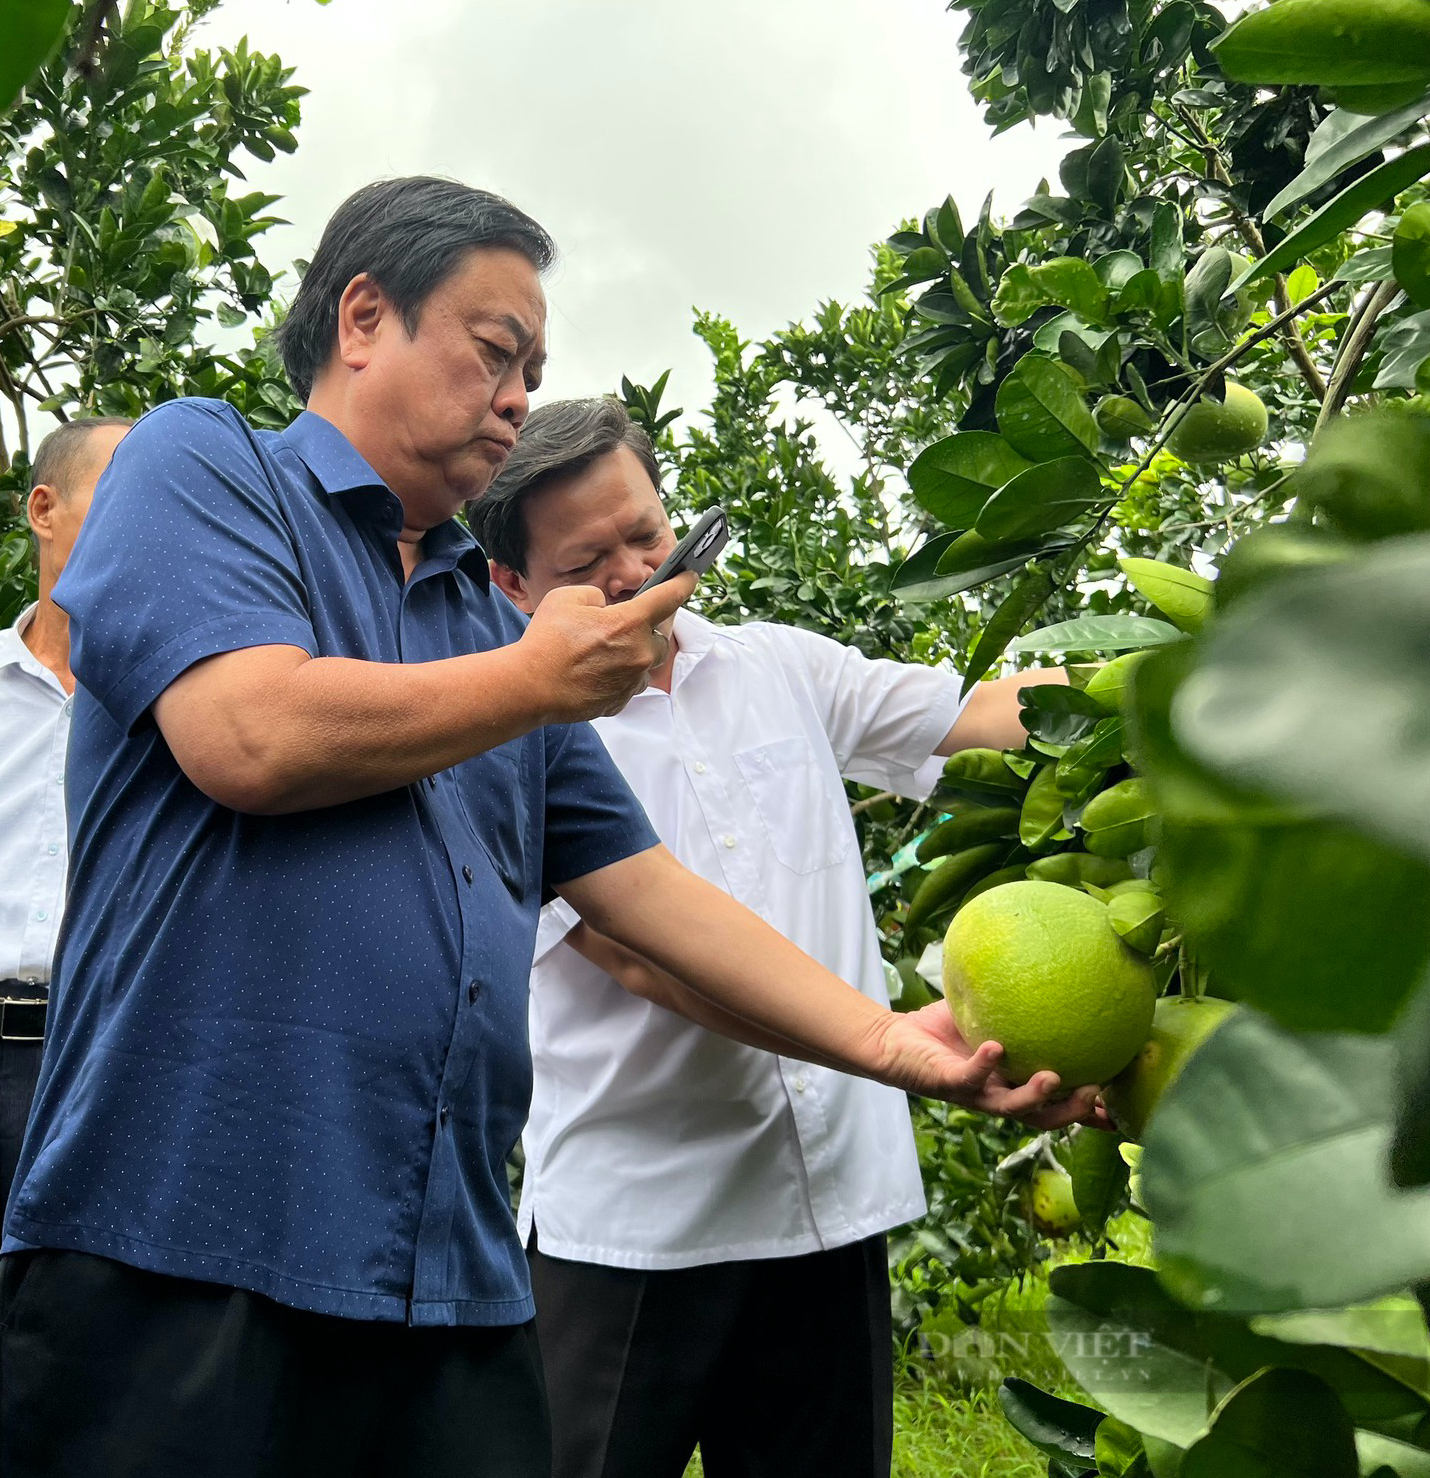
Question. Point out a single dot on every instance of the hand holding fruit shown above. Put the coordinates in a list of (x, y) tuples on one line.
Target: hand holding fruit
[(924, 1052)]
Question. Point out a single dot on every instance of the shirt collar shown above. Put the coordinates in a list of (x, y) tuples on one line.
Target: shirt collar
[(695, 637), (342, 471), (12, 648)]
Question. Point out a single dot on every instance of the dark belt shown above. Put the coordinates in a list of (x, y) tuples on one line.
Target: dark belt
[(22, 1012)]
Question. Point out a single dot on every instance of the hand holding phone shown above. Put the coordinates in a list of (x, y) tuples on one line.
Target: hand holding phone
[(696, 551)]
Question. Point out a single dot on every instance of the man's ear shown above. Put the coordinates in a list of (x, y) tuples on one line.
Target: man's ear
[(40, 509), (361, 309), (513, 586)]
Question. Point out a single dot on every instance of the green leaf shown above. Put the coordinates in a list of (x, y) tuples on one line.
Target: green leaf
[(1306, 690), (1159, 1367), (1056, 713), (1329, 43), (955, 477), (1277, 1424), (920, 567), (1167, 253), (1068, 282), (1057, 1428), (1043, 498), (1368, 193), (1097, 753), (32, 30), (973, 559), (1405, 346), (1120, 1452), (1344, 139), (1410, 253), (1138, 918), (1265, 1129), (1041, 825), (1183, 597), (1018, 607), (1041, 412), (1393, 1325), (1274, 898), (1099, 1176), (1099, 634), (1372, 264)]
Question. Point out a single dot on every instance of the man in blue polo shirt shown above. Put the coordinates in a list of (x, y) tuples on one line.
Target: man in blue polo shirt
[(322, 777)]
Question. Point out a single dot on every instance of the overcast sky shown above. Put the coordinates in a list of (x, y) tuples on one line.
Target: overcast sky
[(739, 157)]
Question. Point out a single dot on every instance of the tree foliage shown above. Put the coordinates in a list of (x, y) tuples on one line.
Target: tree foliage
[(1248, 202), (128, 257)]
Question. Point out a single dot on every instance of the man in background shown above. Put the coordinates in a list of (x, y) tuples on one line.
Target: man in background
[(36, 685), (706, 1220)]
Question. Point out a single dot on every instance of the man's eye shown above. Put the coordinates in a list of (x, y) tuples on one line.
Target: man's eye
[(498, 352)]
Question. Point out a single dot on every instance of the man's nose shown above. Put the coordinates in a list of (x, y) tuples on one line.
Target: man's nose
[(512, 402), (627, 573)]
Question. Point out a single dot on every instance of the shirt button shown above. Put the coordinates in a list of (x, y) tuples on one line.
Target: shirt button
[(69, 707), (467, 873), (59, 779), (53, 848), (699, 767), (41, 915), (473, 991), (729, 841), (800, 1085), (443, 1115)]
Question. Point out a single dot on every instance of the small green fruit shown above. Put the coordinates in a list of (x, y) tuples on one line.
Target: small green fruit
[(1054, 1207), (1209, 431), (1120, 418)]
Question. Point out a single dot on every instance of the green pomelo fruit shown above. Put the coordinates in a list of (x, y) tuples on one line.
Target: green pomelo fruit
[(1038, 968), (1053, 1205), (1107, 687), (1180, 1024), (1120, 418), (1213, 431), (1073, 869)]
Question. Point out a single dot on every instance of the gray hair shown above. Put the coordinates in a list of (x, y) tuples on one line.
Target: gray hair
[(61, 457), (557, 441)]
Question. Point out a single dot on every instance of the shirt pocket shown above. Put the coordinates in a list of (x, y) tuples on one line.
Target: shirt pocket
[(803, 810)]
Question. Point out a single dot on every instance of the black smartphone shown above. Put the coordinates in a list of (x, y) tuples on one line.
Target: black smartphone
[(696, 551)]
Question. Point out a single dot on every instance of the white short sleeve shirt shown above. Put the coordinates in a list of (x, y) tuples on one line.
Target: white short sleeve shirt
[(653, 1143), (34, 737)]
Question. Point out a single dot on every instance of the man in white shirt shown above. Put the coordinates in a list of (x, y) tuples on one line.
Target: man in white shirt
[(35, 702), (706, 1219)]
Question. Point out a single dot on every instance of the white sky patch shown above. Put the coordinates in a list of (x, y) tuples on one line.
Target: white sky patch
[(738, 157)]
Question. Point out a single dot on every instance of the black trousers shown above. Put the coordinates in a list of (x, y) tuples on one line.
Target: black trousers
[(778, 1368), (110, 1372), (19, 1072)]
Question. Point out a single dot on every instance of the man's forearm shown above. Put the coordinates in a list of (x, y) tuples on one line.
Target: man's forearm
[(332, 729), (730, 956), (643, 978)]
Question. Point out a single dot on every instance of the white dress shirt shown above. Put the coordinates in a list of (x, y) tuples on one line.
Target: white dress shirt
[(653, 1143), (34, 735)]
